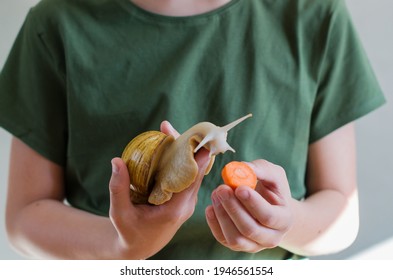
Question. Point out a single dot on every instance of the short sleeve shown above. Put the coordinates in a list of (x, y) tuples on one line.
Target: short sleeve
[(32, 93), (347, 86)]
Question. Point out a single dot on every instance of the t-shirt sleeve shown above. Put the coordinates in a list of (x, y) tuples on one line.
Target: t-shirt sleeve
[(347, 86), (32, 93)]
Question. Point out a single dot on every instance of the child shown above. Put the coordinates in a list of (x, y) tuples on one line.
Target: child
[(86, 76)]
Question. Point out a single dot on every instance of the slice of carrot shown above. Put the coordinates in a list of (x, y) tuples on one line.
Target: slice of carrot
[(237, 173)]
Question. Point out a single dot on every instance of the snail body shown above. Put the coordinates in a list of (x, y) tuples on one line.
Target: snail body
[(160, 165)]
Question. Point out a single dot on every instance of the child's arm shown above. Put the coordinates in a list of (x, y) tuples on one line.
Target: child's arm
[(325, 222), (330, 213), (39, 225)]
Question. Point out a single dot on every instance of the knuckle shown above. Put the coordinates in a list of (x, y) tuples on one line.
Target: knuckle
[(261, 162), (186, 215), (273, 167), (268, 220), (120, 216), (114, 188), (280, 170), (251, 233), (255, 250), (180, 215), (115, 217), (272, 242), (235, 244), (278, 240), (232, 210)]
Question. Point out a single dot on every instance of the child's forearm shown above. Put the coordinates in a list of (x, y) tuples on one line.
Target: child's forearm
[(38, 224), (327, 220), (49, 229), (325, 223)]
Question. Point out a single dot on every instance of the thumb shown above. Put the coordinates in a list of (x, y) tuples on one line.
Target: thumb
[(273, 183), (119, 187)]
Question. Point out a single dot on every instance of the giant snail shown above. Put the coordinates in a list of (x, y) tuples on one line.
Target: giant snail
[(160, 165)]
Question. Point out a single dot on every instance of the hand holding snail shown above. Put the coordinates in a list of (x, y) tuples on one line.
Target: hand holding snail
[(160, 165), (142, 230)]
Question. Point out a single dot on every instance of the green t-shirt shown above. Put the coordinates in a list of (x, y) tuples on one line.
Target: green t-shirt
[(85, 76)]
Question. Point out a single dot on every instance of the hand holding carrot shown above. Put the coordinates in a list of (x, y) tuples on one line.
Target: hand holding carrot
[(248, 220)]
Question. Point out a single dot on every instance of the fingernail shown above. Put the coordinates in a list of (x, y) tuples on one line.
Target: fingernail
[(115, 168)]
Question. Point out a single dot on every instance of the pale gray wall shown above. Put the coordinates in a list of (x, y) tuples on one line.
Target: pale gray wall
[(12, 13), (374, 20)]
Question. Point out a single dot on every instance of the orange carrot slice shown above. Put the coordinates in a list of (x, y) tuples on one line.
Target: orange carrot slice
[(237, 173)]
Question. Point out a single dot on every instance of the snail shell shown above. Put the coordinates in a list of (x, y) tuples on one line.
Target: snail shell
[(159, 165)]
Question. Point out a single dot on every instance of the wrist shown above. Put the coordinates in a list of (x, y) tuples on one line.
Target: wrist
[(290, 240), (132, 250)]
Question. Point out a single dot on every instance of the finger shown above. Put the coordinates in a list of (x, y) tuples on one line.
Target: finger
[(270, 216), (233, 237), (216, 230), (119, 187), (167, 128), (272, 176), (202, 158), (256, 235), (214, 225), (269, 194)]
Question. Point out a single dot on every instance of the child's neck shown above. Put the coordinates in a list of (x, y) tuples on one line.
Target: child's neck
[(179, 7)]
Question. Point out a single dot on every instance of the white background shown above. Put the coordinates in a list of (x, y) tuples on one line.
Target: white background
[(374, 22)]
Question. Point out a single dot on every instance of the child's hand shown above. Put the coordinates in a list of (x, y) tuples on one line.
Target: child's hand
[(248, 220), (143, 229)]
